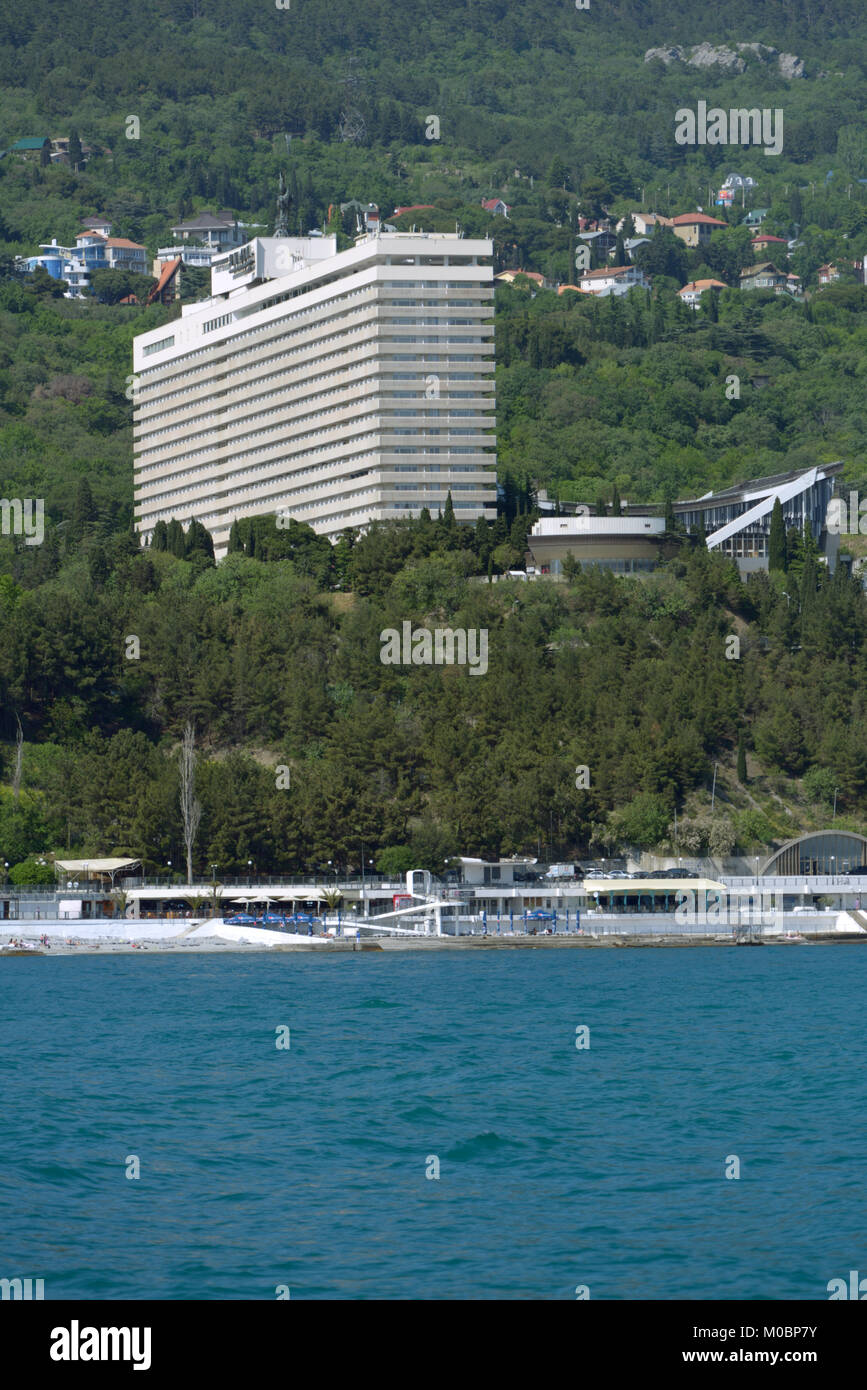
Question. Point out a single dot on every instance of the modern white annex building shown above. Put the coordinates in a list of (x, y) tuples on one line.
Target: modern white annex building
[(336, 388)]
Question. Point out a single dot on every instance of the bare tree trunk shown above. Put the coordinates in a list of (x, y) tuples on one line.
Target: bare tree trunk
[(19, 759), (191, 811)]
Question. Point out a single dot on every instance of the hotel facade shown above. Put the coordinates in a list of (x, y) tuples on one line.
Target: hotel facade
[(336, 388)]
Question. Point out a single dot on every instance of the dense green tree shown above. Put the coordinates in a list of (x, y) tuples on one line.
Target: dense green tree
[(777, 539)]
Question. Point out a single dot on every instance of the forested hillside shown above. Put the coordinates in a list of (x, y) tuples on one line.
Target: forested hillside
[(628, 679)]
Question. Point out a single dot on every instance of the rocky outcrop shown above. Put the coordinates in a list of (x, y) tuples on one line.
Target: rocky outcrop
[(708, 55)]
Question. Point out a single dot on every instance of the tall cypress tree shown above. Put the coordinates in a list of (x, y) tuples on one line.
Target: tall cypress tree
[(75, 151), (742, 759), (777, 539), (84, 510), (175, 540), (159, 540)]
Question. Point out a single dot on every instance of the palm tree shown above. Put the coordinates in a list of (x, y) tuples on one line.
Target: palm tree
[(120, 899), (332, 898), (196, 902), (214, 898)]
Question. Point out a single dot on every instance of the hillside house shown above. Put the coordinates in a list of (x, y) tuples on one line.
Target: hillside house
[(769, 243), (618, 279), (696, 228), (765, 276), (31, 147), (691, 294)]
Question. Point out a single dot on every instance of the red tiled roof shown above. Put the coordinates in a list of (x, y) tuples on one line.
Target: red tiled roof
[(607, 270), (89, 231), (123, 241), (756, 239), (686, 219), (702, 285), (169, 269), (414, 207), (490, 203)]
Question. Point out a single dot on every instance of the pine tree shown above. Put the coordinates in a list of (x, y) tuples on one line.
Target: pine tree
[(616, 509), (449, 521), (601, 506), (742, 759), (777, 554), (236, 545)]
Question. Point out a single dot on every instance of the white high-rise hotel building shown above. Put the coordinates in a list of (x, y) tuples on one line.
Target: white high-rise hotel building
[(336, 388)]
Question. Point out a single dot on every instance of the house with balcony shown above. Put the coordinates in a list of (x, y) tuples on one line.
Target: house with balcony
[(764, 276), (691, 294), (220, 230), (616, 279)]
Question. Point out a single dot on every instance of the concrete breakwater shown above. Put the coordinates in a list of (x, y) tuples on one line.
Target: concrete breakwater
[(86, 937)]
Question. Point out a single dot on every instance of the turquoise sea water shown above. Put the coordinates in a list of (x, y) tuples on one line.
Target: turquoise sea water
[(558, 1167)]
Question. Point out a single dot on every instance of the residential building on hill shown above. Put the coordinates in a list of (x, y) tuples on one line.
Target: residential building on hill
[(93, 250), (335, 388), (645, 223), (221, 230), (691, 294), (764, 276), (615, 279), (764, 242), (696, 228)]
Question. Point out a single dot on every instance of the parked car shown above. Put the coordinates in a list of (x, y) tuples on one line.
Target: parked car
[(619, 873)]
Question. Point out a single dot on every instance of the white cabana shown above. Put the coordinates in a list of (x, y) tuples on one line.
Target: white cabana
[(86, 868)]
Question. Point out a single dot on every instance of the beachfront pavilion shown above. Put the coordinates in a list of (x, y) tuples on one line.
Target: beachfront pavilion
[(823, 852), (651, 894)]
